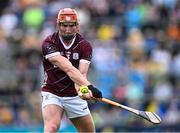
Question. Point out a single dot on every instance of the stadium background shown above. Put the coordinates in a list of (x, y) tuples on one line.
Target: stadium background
[(136, 61)]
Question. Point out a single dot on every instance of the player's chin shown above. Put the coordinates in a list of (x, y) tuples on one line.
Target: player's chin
[(68, 37)]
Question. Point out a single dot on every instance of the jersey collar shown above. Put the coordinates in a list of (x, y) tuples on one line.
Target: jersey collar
[(65, 46)]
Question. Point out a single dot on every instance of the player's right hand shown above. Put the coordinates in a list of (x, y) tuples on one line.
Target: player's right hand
[(86, 96)]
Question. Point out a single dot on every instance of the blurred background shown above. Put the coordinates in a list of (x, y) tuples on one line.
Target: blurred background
[(136, 61)]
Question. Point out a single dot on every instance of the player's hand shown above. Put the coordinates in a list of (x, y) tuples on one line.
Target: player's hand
[(86, 96), (95, 92)]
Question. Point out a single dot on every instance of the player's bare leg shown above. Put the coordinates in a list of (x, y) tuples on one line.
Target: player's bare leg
[(84, 124), (52, 115)]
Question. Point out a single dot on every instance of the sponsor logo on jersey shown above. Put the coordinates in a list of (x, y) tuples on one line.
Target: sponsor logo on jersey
[(51, 48)]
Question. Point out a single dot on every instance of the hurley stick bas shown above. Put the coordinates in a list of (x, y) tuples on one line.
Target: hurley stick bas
[(150, 116)]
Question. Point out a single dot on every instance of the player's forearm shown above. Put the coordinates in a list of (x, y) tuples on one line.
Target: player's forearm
[(76, 76), (70, 70)]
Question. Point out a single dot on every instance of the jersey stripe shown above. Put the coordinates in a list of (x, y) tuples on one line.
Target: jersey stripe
[(52, 54), (85, 61)]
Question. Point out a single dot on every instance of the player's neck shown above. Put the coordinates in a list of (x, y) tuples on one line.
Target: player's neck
[(67, 42)]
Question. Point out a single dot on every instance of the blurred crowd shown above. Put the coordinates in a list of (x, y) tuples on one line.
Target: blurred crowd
[(136, 58)]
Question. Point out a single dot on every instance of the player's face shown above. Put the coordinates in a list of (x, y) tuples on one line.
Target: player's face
[(68, 30)]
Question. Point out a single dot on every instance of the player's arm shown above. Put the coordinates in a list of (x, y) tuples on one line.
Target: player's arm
[(75, 75), (83, 68), (65, 65)]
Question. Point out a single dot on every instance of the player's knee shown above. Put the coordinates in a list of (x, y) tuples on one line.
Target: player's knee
[(51, 127)]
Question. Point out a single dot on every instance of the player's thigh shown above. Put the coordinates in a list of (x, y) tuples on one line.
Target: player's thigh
[(52, 110), (84, 123), (52, 114)]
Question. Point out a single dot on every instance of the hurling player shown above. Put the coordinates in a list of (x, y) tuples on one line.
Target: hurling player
[(66, 59)]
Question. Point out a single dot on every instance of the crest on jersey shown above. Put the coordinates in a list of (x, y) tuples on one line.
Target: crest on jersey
[(75, 56)]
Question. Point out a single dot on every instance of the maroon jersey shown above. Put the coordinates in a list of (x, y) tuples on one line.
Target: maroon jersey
[(57, 81)]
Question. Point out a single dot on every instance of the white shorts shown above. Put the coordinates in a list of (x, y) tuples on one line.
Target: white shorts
[(73, 106)]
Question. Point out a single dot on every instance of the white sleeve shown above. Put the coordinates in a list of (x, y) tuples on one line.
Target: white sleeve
[(85, 61), (52, 54)]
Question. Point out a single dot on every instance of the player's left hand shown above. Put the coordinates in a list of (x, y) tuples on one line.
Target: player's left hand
[(95, 92)]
